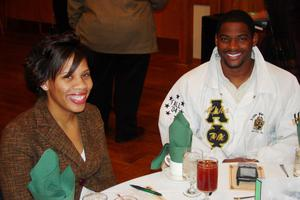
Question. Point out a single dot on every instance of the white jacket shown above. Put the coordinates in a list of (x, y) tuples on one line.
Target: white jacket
[(260, 126)]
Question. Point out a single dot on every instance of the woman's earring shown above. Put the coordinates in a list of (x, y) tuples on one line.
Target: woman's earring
[(45, 87)]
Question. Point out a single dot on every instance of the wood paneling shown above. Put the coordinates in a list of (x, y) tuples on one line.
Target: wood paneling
[(246, 5), (174, 22), (215, 5), (46, 11), (168, 21), (31, 10), (19, 9)]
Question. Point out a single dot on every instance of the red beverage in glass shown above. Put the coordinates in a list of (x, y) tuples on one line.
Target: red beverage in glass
[(207, 175)]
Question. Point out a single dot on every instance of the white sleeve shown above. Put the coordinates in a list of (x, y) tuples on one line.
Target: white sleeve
[(172, 104), (184, 96), (283, 148)]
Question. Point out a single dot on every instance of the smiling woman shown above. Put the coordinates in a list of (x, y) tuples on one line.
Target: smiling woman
[(57, 71), (67, 94)]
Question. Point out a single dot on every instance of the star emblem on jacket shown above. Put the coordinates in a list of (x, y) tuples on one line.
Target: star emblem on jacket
[(173, 105)]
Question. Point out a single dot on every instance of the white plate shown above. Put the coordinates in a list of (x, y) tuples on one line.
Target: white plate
[(171, 176)]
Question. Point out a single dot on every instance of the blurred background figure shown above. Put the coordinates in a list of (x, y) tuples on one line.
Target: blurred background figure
[(281, 46), (119, 37)]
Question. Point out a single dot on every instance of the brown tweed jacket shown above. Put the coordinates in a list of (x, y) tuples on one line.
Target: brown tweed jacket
[(26, 138)]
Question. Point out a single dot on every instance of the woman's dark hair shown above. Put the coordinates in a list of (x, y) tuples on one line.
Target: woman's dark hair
[(47, 58), (237, 16)]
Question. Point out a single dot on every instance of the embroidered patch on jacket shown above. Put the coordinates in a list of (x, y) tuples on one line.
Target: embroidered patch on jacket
[(258, 122), (217, 135), (174, 105), (216, 112)]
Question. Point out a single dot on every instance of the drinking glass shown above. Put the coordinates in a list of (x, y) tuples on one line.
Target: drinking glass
[(207, 175), (189, 172)]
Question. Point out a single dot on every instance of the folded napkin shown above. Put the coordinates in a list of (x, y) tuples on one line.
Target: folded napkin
[(180, 137), (47, 183)]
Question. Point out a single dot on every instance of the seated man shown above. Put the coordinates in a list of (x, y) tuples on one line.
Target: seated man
[(239, 106)]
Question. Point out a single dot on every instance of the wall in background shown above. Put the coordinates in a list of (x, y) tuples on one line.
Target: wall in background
[(199, 12), (180, 20)]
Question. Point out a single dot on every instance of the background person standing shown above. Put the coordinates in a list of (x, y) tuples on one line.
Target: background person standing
[(119, 37), (282, 34), (61, 16)]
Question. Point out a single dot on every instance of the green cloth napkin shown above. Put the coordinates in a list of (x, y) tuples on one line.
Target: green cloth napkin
[(47, 183), (180, 136)]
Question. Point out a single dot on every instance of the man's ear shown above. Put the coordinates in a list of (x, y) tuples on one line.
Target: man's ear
[(44, 86), (255, 39)]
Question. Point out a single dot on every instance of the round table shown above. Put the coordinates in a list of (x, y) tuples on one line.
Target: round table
[(173, 189)]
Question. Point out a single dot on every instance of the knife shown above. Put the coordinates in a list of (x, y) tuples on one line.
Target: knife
[(146, 190)]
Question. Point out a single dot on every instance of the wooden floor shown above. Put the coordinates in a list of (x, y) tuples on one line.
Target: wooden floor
[(131, 159)]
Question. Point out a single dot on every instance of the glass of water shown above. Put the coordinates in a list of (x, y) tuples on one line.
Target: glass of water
[(189, 171)]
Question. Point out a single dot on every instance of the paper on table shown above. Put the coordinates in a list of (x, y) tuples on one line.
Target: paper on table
[(142, 195)]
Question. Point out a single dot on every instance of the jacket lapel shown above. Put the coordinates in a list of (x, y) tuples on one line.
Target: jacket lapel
[(89, 140), (52, 133), (59, 141)]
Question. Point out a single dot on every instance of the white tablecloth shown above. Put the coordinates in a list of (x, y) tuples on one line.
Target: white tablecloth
[(173, 190)]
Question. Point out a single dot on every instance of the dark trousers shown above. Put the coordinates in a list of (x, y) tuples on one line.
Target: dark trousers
[(61, 15), (118, 83)]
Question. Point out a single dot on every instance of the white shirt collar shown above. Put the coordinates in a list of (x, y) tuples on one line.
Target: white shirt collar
[(263, 78)]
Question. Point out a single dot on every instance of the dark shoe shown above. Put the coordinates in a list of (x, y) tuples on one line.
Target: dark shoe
[(124, 137)]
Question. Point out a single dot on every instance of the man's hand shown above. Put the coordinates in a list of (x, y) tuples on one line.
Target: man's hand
[(239, 159)]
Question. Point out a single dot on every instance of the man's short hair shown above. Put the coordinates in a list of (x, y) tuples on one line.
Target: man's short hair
[(237, 16)]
